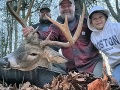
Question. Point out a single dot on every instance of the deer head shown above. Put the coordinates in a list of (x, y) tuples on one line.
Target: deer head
[(33, 51)]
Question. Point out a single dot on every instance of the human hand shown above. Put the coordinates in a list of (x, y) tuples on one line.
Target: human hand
[(27, 30)]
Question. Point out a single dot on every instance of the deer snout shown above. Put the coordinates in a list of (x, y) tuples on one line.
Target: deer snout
[(4, 63)]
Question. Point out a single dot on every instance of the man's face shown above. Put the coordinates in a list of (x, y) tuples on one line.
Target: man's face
[(42, 14), (67, 9)]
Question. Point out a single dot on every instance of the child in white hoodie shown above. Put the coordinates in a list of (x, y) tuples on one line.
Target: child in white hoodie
[(106, 37)]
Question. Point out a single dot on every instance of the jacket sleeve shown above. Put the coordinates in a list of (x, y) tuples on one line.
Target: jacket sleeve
[(54, 33)]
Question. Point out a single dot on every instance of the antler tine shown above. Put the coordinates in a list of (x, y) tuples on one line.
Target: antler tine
[(19, 7), (64, 28), (48, 36), (79, 28), (35, 30), (14, 14), (29, 10)]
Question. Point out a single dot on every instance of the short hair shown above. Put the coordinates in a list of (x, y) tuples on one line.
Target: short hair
[(99, 11)]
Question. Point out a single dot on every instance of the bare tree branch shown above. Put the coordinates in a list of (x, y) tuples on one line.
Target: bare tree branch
[(117, 7), (112, 10)]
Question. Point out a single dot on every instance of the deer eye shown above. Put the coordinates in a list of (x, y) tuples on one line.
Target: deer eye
[(33, 54)]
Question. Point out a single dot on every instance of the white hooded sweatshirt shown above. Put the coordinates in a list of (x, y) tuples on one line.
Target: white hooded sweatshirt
[(108, 39)]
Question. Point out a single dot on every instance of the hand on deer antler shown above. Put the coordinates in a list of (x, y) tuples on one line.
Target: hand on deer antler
[(27, 30)]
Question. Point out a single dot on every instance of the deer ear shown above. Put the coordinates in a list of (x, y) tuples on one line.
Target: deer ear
[(56, 59), (53, 56)]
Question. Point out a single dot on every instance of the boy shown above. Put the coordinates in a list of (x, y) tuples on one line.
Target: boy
[(106, 37)]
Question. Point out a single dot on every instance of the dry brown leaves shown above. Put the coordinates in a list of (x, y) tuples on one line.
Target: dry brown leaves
[(72, 81)]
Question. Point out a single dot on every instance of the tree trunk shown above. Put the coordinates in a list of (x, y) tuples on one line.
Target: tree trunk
[(16, 34), (112, 11)]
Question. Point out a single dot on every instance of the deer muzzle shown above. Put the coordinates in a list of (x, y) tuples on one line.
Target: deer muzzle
[(4, 63)]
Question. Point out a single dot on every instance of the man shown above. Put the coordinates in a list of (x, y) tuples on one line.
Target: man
[(82, 56), (44, 23)]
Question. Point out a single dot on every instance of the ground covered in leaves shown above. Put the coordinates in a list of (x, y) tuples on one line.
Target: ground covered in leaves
[(72, 81)]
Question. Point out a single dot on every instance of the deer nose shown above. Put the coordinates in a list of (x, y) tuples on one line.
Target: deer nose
[(4, 63)]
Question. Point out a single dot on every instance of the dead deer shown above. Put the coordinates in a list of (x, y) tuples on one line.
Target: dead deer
[(33, 51)]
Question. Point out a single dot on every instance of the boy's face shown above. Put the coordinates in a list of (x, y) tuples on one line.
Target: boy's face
[(98, 20)]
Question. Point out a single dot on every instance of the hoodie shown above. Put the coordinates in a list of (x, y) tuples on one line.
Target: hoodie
[(108, 39)]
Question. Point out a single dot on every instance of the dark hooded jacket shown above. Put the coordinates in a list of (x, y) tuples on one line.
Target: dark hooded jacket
[(82, 56)]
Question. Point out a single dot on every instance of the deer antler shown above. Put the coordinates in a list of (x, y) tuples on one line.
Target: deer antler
[(64, 28), (15, 14)]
